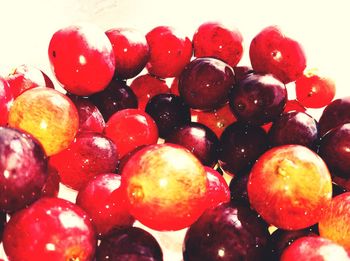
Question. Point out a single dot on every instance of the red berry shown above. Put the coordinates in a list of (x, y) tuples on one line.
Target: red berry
[(313, 90), (104, 202), (273, 52), (131, 51), (50, 229), (218, 191), (6, 99), (170, 51), (130, 128), (82, 59), (213, 39)]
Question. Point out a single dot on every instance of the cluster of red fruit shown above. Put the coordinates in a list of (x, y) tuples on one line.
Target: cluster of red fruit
[(135, 147)]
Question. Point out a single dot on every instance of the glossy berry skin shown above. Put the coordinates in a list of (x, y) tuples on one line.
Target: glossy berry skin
[(335, 150), (238, 188), (198, 139), (166, 186), (90, 117), (90, 154), (314, 90), (217, 120), (218, 191), (6, 99), (204, 84), (334, 225), (131, 51), (129, 243), (228, 232), (146, 86), (82, 59), (242, 72), (115, 97), (169, 51), (290, 187), (48, 115), (240, 145), (62, 231), (334, 115), (103, 201), (23, 169), (294, 128), (271, 52), (169, 111), (51, 187), (130, 128), (2, 223), (213, 39), (25, 77), (314, 248), (258, 99)]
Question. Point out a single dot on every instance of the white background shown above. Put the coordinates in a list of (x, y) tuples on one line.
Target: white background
[(322, 27)]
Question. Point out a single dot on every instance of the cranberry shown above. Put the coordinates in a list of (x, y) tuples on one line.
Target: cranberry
[(90, 154), (102, 199), (23, 169), (6, 99), (130, 128), (131, 51), (25, 77), (82, 58), (52, 185), (271, 51), (50, 229), (169, 51), (205, 83), (146, 86), (218, 191), (213, 39)]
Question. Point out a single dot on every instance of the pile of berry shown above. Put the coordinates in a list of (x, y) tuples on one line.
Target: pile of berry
[(173, 133)]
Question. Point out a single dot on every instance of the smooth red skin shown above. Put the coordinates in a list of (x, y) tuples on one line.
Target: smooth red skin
[(146, 86), (6, 99), (130, 128), (218, 191), (52, 185), (82, 59), (166, 186), (313, 248), (314, 90), (213, 39), (25, 77), (174, 86), (131, 51), (217, 120), (169, 52), (204, 84), (103, 200), (50, 229), (285, 183), (272, 52), (90, 154), (90, 117)]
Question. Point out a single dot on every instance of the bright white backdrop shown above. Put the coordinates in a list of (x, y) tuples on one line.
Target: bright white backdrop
[(322, 27)]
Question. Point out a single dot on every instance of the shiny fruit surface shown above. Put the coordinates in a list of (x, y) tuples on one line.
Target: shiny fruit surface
[(204, 83), (50, 116), (130, 49), (290, 187), (6, 99), (23, 169), (82, 58), (218, 191), (213, 39), (102, 199), (166, 186), (169, 51), (62, 232), (90, 154), (130, 128), (271, 51)]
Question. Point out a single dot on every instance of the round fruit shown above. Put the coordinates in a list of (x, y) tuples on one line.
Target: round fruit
[(6, 99), (290, 187), (218, 191), (50, 229), (23, 169), (166, 186), (82, 59), (48, 115), (204, 84)]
